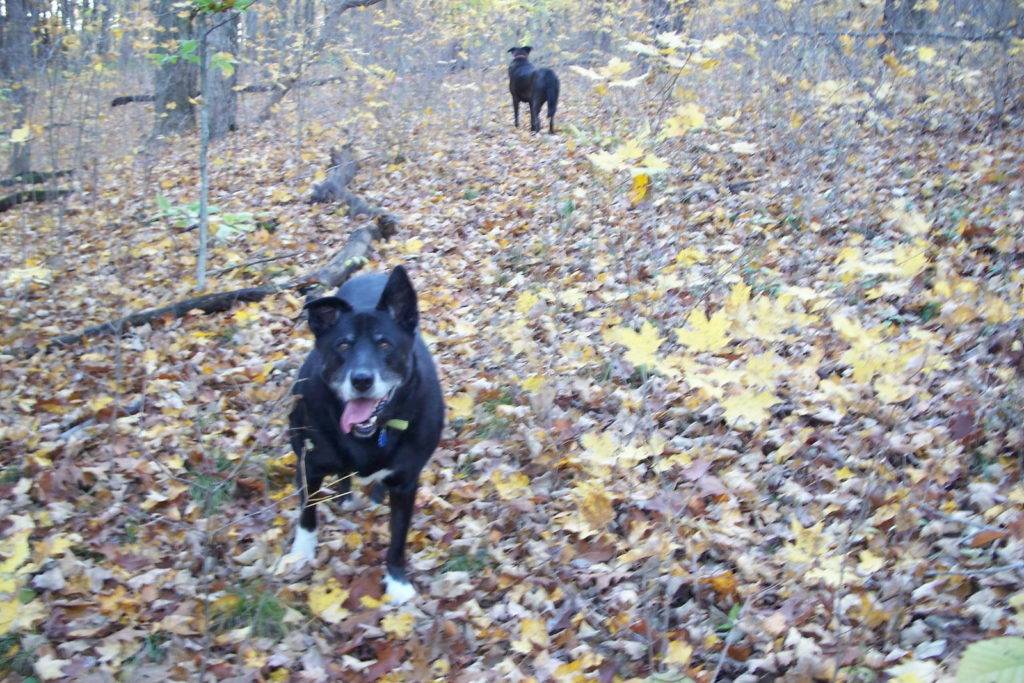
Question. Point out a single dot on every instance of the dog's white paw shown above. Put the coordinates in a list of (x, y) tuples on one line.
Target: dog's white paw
[(397, 590), (304, 545)]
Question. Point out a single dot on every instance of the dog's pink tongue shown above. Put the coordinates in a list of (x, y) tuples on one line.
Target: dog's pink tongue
[(357, 410)]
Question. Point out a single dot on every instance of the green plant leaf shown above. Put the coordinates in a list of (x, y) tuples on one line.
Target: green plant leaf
[(225, 61), (998, 660)]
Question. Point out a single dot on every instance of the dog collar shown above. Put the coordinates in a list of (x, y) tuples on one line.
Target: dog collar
[(397, 425)]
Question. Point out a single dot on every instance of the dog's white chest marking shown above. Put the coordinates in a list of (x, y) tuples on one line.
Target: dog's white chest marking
[(304, 545)]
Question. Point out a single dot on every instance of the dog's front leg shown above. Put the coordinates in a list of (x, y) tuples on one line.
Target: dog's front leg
[(515, 110), (304, 545), (396, 581)]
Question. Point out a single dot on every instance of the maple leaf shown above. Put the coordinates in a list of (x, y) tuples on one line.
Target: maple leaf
[(749, 408), (531, 632), (678, 652), (704, 334), (325, 599), (511, 487), (688, 117), (892, 390), (460, 406), (689, 256), (594, 504), (398, 624), (15, 553), (640, 346)]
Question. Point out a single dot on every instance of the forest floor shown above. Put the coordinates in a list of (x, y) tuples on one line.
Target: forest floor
[(764, 422)]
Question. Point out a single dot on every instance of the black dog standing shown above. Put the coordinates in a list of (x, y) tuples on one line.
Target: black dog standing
[(369, 403), (535, 86)]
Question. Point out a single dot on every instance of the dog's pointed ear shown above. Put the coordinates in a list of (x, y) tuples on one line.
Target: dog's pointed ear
[(512, 49), (324, 313), (527, 48), (399, 299)]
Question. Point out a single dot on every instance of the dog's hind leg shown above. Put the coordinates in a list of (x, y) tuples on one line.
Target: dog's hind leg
[(515, 110), (396, 580), (535, 105)]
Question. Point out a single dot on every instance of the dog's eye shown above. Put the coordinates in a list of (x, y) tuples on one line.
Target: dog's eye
[(343, 347), (383, 344)]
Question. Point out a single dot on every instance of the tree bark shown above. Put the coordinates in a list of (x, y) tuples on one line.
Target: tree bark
[(222, 98), (18, 58), (175, 80), (898, 17)]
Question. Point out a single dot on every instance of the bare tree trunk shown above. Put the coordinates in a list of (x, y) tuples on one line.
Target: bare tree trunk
[(898, 17), (204, 146), (175, 80), (222, 98), (327, 32), (17, 68)]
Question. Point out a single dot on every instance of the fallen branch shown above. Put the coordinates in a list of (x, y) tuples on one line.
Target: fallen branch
[(34, 177), (342, 265), (335, 187), (25, 196), (122, 100), (926, 35), (254, 262)]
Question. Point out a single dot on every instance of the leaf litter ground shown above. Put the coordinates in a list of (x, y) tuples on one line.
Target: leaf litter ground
[(763, 421)]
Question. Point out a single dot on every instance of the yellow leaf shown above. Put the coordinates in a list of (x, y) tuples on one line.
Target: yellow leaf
[(688, 117), (280, 196), (637, 193), (413, 246), (533, 383), (640, 346), (704, 334), (15, 552), (98, 403), (911, 222), (926, 54), (511, 487), (869, 563), (325, 600), (678, 652), (914, 672), (532, 632), (21, 134), (17, 276), (892, 390), (526, 301), (399, 625), (8, 611), (595, 506), (689, 255), (461, 406), (748, 408)]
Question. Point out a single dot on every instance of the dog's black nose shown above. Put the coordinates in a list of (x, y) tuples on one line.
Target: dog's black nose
[(362, 380)]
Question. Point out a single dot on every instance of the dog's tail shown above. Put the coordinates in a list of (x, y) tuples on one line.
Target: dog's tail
[(551, 91)]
